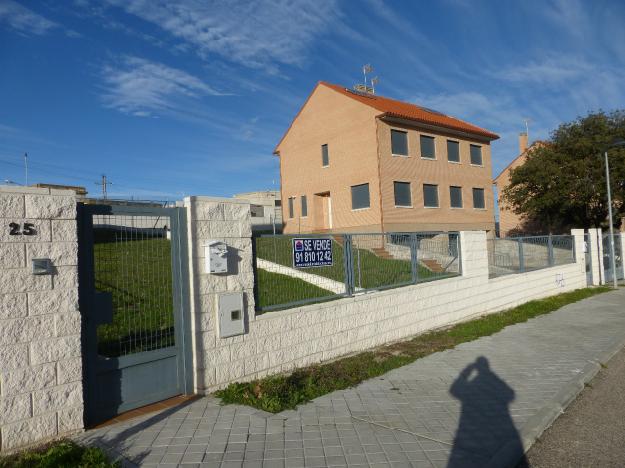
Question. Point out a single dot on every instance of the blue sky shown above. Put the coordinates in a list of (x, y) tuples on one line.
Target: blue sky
[(190, 97)]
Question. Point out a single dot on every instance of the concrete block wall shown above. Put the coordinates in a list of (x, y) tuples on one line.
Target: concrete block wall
[(283, 340), (40, 353)]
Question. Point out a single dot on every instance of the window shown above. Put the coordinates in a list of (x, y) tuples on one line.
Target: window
[(399, 142), (304, 206), (291, 199), (360, 196), (277, 203), (257, 211), (453, 151), (455, 197), (427, 147), (430, 196), (325, 157), (478, 198), (476, 155), (402, 194)]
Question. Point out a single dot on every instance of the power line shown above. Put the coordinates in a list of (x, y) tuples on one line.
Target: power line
[(104, 185)]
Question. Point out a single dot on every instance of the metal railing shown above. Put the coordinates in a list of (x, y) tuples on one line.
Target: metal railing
[(360, 262), (520, 254)]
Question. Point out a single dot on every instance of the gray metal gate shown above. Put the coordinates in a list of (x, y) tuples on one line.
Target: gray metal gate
[(133, 300), (607, 257)]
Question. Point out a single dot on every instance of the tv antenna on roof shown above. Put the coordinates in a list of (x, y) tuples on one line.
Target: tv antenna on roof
[(364, 88), (527, 120)]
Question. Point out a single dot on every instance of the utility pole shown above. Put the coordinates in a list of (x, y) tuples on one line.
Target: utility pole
[(26, 167), (104, 185)]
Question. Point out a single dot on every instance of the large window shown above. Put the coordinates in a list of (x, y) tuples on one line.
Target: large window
[(478, 198), (455, 197), (427, 147), (304, 206), (476, 155), (325, 157), (402, 194), (453, 151), (291, 201), (399, 143), (360, 196), (430, 196)]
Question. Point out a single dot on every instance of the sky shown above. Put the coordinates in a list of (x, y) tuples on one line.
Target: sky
[(171, 99)]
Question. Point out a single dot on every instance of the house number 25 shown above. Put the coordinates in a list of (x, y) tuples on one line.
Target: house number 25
[(28, 229)]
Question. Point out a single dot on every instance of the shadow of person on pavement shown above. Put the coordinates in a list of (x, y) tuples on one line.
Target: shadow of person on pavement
[(485, 424)]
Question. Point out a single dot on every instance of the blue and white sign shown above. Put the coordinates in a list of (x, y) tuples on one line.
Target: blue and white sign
[(310, 252)]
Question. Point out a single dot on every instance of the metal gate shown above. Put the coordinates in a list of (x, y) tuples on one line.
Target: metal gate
[(607, 257), (134, 304)]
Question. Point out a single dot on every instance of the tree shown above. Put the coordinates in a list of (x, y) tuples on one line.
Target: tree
[(562, 183)]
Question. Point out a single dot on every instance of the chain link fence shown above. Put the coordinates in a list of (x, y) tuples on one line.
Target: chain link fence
[(360, 263), (520, 254)]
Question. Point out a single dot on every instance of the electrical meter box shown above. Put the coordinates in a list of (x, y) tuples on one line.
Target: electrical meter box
[(230, 314), (216, 256)]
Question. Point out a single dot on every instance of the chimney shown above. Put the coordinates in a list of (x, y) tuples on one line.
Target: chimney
[(522, 142)]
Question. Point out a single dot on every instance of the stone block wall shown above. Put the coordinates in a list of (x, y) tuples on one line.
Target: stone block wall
[(40, 352)]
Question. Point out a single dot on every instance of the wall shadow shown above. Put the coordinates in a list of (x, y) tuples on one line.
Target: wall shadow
[(485, 424)]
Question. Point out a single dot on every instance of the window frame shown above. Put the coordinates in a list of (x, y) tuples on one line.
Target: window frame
[(438, 200), (395, 183), (459, 158), (399, 155), (368, 197), (421, 137), (451, 198), (483, 191), (304, 206), (471, 146), (325, 162)]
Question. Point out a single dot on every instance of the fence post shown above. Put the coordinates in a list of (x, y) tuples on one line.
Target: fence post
[(521, 257), (550, 250), (414, 265), (348, 264)]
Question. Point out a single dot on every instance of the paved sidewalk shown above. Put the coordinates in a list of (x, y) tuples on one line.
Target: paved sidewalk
[(480, 404)]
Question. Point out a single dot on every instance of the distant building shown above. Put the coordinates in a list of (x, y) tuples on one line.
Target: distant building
[(510, 222), (266, 208), (354, 161), (81, 192)]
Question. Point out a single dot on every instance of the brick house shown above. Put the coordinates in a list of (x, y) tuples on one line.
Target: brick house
[(352, 161)]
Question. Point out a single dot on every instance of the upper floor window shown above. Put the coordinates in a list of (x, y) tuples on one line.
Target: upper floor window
[(277, 203), (402, 194), (430, 195), (427, 147), (478, 198), (360, 196), (476, 155), (304, 206), (453, 151), (455, 197), (399, 142), (291, 202), (325, 157)]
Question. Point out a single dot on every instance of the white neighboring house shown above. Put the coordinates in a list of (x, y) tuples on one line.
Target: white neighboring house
[(266, 207)]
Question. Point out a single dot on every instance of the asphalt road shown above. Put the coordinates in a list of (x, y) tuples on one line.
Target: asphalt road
[(591, 433)]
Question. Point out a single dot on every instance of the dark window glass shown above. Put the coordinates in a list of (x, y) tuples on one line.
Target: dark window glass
[(476, 155), (325, 158), (427, 147), (257, 211), (277, 202), (290, 207), (304, 206), (455, 197), (478, 198), (453, 151), (399, 142), (402, 194), (430, 195), (360, 196)]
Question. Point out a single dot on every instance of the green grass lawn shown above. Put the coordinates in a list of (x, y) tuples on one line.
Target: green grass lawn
[(280, 392), (275, 289), (62, 454), (138, 275)]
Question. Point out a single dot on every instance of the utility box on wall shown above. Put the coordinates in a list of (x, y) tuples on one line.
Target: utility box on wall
[(230, 314), (216, 257)]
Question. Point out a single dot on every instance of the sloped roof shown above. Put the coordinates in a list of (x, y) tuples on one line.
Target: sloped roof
[(404, 110)]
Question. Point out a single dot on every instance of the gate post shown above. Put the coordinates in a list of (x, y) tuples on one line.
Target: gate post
[(595, 249), (348, 264)]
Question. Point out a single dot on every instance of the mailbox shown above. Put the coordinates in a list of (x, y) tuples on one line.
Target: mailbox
[(230, 314), (216, 256)]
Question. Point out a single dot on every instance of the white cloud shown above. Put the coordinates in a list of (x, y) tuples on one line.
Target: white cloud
[(143, 88), (24, 20), (550, 70), (255, 34)]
